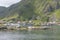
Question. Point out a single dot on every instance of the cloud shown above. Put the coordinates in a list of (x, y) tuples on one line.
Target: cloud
[(7, 3)]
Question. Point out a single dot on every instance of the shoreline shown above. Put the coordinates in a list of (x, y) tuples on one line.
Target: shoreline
[(27, 28)]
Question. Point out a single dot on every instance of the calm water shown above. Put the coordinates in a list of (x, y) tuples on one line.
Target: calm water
[(51, 34)]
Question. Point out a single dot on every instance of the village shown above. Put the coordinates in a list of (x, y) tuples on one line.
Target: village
[(25, 25), (15, 25)]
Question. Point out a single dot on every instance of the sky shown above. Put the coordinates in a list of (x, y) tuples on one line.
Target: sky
[(7, 3)]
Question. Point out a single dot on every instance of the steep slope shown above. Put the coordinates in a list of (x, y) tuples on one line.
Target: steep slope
[(23, 10), (33, 9), (2, 9), (46, 8)]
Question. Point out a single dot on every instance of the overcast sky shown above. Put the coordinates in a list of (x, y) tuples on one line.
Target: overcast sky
[(7, 3)]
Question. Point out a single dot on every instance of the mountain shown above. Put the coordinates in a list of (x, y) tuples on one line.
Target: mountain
[(2, 9), (43, 10)]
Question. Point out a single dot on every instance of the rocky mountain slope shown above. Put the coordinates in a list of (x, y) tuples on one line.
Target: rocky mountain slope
[(43, 10)]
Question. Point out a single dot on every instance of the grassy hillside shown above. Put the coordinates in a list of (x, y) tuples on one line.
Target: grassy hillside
[(57, 13), (34, 10)]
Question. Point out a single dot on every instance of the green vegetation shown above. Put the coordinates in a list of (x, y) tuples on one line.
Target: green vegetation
[(42, 10), (57, 13)]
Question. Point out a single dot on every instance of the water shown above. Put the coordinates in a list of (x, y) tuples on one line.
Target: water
[(51, 34)]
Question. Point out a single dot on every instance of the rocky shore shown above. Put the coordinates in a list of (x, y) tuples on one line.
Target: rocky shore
[(26, 28)]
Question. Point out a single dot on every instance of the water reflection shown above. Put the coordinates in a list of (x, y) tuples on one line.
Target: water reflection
[(30, 35)]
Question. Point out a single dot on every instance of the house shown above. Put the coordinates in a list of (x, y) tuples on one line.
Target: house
[(12, 25)]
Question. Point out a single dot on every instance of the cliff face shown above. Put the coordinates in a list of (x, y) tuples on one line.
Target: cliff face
[(34, 9), (46, 9)]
